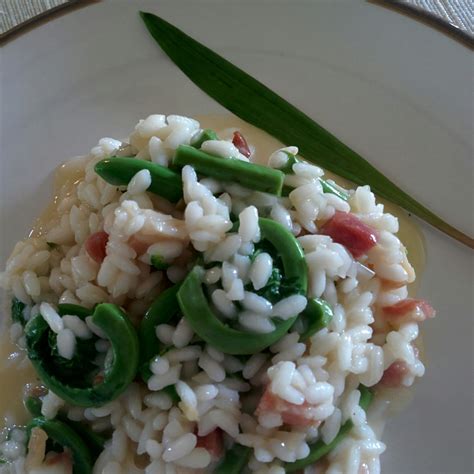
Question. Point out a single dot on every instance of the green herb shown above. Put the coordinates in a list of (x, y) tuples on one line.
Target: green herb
[(316, 316), (235, 460), (287, 168), (81, 363), (279, 285), (170, 390), (159, 262), (330, 188), (17, 308), (207, 134), (271, 291), (250, 100)]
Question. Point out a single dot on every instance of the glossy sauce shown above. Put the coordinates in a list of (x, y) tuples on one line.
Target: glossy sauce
[(14, 376), (66, 177), (15, 373)]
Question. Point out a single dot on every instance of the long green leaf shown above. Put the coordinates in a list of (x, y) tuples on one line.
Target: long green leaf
[(257, 104)]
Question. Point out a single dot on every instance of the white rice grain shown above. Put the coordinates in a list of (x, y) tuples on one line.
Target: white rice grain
[(180, 447), (223, 303), (255, 322), (77, 326), (261, 270), (256, 303), (249, 229), (289, 307), (183, 334), (51, 316)]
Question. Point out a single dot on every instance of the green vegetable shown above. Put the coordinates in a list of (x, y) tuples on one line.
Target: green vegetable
[(316, 316), (207, 134), (326, 185), (327, 188), (287, 168), (65, 436), (17, 308), (33, 405), (278, 285), (330, 188), (209, 327), (83, 360), (93, 441), (319, 449), (159, 262), (248, 175), (286, 190), (235, 460), (162, 310), (117, 375), (74, 310), (250, 100), (170, 390), (119, 171)]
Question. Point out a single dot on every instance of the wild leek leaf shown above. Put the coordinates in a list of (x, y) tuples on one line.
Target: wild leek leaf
[(255, 103)]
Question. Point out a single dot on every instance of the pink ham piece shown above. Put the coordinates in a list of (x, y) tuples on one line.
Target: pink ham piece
[(394, 374), (241, 144), (95, 246), (348, 230), (291, 414), (212, 442), (409, 309)]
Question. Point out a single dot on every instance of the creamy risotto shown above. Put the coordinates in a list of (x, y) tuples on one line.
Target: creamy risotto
[(199, 299)]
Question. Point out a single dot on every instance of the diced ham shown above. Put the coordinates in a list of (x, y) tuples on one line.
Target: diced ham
[(212, 442), (63, 459), (395, 373), (241, 144), (320, 467), (291, 414), (410, 309), (347, 229), (95, 246)]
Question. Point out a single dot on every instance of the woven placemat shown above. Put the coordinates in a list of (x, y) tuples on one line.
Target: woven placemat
[(456, 16), (14, 13)]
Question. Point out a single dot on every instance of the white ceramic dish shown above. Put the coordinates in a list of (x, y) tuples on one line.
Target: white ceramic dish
[(391, 88)]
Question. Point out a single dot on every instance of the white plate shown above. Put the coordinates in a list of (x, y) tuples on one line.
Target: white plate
[(391, 88)]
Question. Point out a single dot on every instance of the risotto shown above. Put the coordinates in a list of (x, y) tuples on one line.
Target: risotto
[(181, 308)]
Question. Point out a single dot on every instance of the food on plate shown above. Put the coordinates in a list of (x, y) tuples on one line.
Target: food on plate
[(192, 302)]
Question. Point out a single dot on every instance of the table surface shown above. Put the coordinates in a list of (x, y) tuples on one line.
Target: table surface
[(454, 15)]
